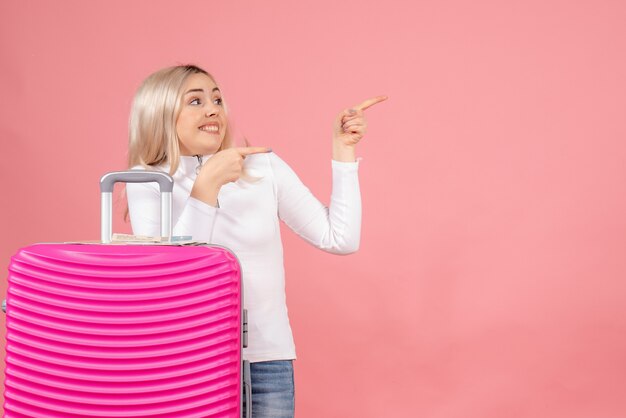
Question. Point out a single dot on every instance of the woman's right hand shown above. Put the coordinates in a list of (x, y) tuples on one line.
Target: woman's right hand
[(223, 167)]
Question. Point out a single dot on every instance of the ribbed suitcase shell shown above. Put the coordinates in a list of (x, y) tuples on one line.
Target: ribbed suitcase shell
[(123, 331)]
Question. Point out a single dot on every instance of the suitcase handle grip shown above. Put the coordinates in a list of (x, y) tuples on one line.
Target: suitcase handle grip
[(166, 185)]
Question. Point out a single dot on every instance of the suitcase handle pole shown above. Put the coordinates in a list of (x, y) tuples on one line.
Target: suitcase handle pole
[(166, 185), (247, 389)]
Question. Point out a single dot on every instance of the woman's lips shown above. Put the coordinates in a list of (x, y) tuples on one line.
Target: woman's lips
[(212, 128)]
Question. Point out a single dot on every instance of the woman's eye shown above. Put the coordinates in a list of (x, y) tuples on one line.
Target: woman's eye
[(218, 101), (195, 102)]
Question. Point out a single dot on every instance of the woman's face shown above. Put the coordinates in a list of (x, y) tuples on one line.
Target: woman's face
[(201, 123)]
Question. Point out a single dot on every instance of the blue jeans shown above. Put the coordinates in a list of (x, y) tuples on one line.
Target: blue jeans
[(272, 389)]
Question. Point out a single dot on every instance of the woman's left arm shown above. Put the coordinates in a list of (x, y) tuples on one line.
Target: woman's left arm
[(336, 228)]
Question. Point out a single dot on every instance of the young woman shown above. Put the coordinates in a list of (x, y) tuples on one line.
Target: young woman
[(235, 196)]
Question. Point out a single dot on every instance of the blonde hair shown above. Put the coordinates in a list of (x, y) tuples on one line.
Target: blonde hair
[(152, 125)]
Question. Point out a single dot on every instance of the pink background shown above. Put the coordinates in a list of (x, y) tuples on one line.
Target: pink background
[(491, 276)]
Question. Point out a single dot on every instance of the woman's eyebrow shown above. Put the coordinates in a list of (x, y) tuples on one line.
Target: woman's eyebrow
[(201, 90)]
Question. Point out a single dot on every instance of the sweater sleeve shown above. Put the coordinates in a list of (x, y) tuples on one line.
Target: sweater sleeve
[(335, 229), (144, 207)]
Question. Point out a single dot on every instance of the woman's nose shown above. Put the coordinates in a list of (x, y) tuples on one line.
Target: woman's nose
[(212, 110)]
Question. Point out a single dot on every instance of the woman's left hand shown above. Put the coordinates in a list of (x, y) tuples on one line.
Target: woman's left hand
[(350, 124)]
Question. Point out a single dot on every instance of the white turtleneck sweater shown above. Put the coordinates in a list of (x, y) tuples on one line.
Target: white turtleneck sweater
[(246, 222)]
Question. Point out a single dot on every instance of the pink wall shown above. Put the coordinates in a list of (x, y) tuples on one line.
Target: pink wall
[(491, 276)]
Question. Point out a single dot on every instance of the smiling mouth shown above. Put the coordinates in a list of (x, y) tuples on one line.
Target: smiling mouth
[(212, 129)]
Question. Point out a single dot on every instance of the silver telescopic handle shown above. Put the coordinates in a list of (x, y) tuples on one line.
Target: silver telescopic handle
[(166, 185), (247, 388)]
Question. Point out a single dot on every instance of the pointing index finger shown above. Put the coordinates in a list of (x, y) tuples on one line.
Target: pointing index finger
[(252, 150), (370, 102)]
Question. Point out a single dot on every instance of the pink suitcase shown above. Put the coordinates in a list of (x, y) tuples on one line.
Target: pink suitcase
[(97, 330)]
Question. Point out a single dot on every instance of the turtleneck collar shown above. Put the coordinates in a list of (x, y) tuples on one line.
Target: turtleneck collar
[(188, 164)]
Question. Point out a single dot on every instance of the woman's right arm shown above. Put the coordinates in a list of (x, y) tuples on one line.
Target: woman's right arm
[(144, 207), (200, 209)]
